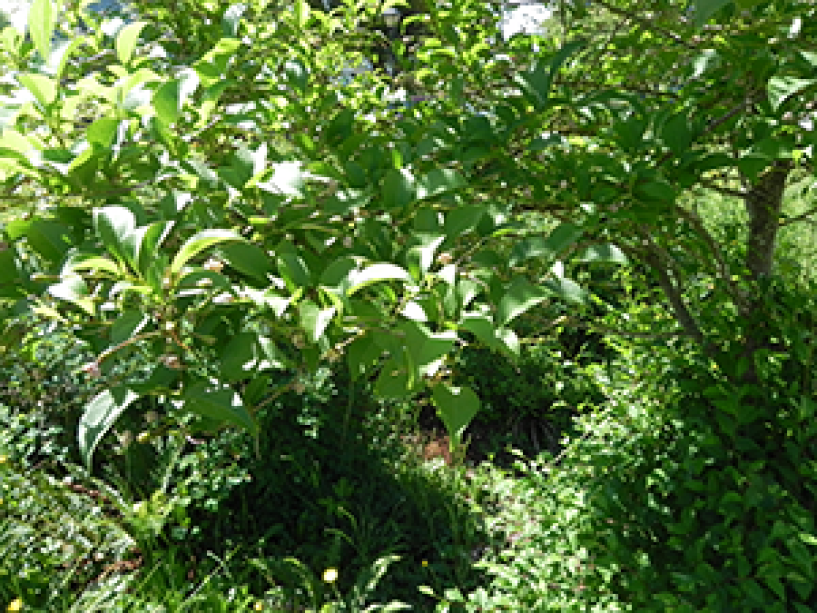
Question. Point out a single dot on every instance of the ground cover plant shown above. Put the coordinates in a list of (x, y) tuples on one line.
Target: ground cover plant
[(256, 291)]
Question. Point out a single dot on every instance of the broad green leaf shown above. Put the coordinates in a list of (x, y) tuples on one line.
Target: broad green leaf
[(336, 275), (98, 417), (126, 41), (439, 181), (362, 355), (103, 132), (219, 403), (520, 296), (463, 219), (94, 263), (358, 279), (248, 259), (50, 239), (394, 381), (148, 247), (167, 102), (456, 407), (112, 225), (41, 21), (677, 134), (566, 289), (783, 88), (314, 320), (240, 357), (398, 189), (43, 88), (294, 270), (420, 257), (480, 326), (127, 325), (425, 349), (74, 290), (559, 240), (198, 243), (704, 9)]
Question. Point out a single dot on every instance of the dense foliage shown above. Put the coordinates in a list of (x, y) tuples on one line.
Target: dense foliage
[(225, 226)]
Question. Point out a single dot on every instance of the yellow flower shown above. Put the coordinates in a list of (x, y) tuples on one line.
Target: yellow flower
[(424, 563), (15, 605), (258, 606), (4, 459), (330, 575)]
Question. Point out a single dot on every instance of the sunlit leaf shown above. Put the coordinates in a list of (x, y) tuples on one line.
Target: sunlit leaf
[(98, 417), (41, 21), (126, 41), (198, 243), (456, 407), (520, 297), (359, 279)]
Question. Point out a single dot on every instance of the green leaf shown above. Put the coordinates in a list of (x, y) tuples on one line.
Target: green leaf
[(439, 181), (126, 41), (127, 325), (41, 21), (393, 381), (480, 326), (43, 88), (424, 348), (704, 9), (151, 239), (240, 357), (112, 225), (219, 403), (74, 290), (198, 243), (677, 134), (560, 239), (98, 417), (358, 279), (167, 102), (294, 270), (783, 88), (397, 190), (248, 259), (521, 296), (421, 257), (50, 239), (567, 289), (463, 219), (314, 320), (102, 132), (456, 407)]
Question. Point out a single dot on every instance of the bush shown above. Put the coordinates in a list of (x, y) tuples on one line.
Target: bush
[(712, 508)]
